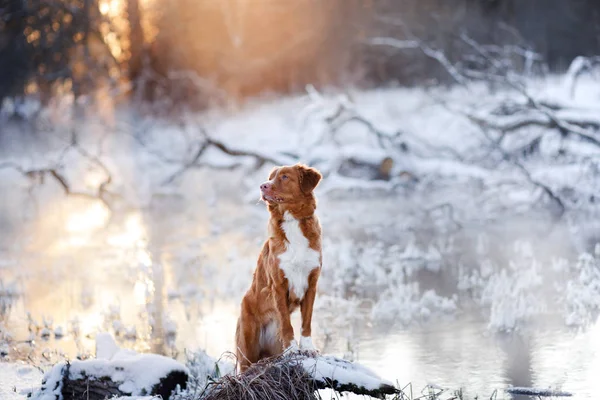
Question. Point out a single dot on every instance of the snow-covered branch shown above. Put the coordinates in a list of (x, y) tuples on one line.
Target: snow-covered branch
[(578, 67), (489, 62), (208, 141), (56, 172), (430, 52)]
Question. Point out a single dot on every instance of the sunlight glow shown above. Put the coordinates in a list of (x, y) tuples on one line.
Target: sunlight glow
[(139, 293), (143, 291), (85, 222), (221, 318), (90, 323), (93, 178), (133, 234), (110, 7)]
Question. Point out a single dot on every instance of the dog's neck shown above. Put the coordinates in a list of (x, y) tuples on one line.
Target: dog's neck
[(299, 211)]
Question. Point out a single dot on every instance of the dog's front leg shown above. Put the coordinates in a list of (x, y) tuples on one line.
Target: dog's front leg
[(306, 309), (286, 331)]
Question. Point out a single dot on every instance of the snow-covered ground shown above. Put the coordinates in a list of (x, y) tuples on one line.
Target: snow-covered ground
[(464, 229), (17, 380)]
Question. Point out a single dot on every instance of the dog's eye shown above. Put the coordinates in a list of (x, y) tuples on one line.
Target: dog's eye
[(284, 177)]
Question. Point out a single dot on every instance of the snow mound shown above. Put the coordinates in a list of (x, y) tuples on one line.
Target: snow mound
[(344, 375), (134, 374)]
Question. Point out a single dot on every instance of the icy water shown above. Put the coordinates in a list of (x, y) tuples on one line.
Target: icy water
[(168, 278)]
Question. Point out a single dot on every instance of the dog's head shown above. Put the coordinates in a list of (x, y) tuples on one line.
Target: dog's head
[(290, 186)]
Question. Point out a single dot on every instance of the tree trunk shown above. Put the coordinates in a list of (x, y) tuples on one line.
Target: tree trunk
[(15, 60), (136, 40)]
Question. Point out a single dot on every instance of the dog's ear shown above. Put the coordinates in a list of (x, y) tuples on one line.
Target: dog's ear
[(309, 178), (272, 173)]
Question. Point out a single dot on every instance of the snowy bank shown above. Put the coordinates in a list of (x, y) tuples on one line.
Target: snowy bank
[(126, 374)]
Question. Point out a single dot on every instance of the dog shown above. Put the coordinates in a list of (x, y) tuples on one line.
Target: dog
[(287, 269)]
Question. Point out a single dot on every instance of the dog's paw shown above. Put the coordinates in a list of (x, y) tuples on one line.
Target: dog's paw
[(311, 353), (307, 347), (306, 343)]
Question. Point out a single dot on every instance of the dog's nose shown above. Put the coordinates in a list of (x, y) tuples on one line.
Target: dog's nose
[(265, 186)]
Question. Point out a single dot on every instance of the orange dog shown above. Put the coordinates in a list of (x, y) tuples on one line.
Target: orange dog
[(287, 270)]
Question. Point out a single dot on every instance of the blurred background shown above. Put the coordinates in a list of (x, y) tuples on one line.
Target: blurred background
[(242, 48), (459, 142)]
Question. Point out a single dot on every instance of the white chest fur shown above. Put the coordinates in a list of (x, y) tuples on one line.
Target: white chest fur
[(299, 259)]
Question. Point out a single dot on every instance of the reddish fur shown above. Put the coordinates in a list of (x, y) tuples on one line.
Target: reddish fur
[(269, 298)]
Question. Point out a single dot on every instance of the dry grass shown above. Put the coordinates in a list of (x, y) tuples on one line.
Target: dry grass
[(278, 378)]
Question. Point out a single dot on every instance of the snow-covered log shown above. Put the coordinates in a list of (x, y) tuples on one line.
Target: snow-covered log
[(116, 372), (299, 376), (370, 167), (345, 376), (125, 375)]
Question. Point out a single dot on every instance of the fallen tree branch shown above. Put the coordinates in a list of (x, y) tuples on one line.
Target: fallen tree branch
[(546, 189), (484, 126), (40, 173), (578, 66), (563, 126), (261, 159), (414, 43), (187, 165), (545, 118), (339, 120)]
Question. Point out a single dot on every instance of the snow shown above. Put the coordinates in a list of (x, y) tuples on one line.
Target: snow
[(405, 304), (343, 372), (521, 290), (581, 297), (59, 332), (202, 369), (388, 245), (136, 373), (578, 66), (17, 380), (338, 182), (106, 347)]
